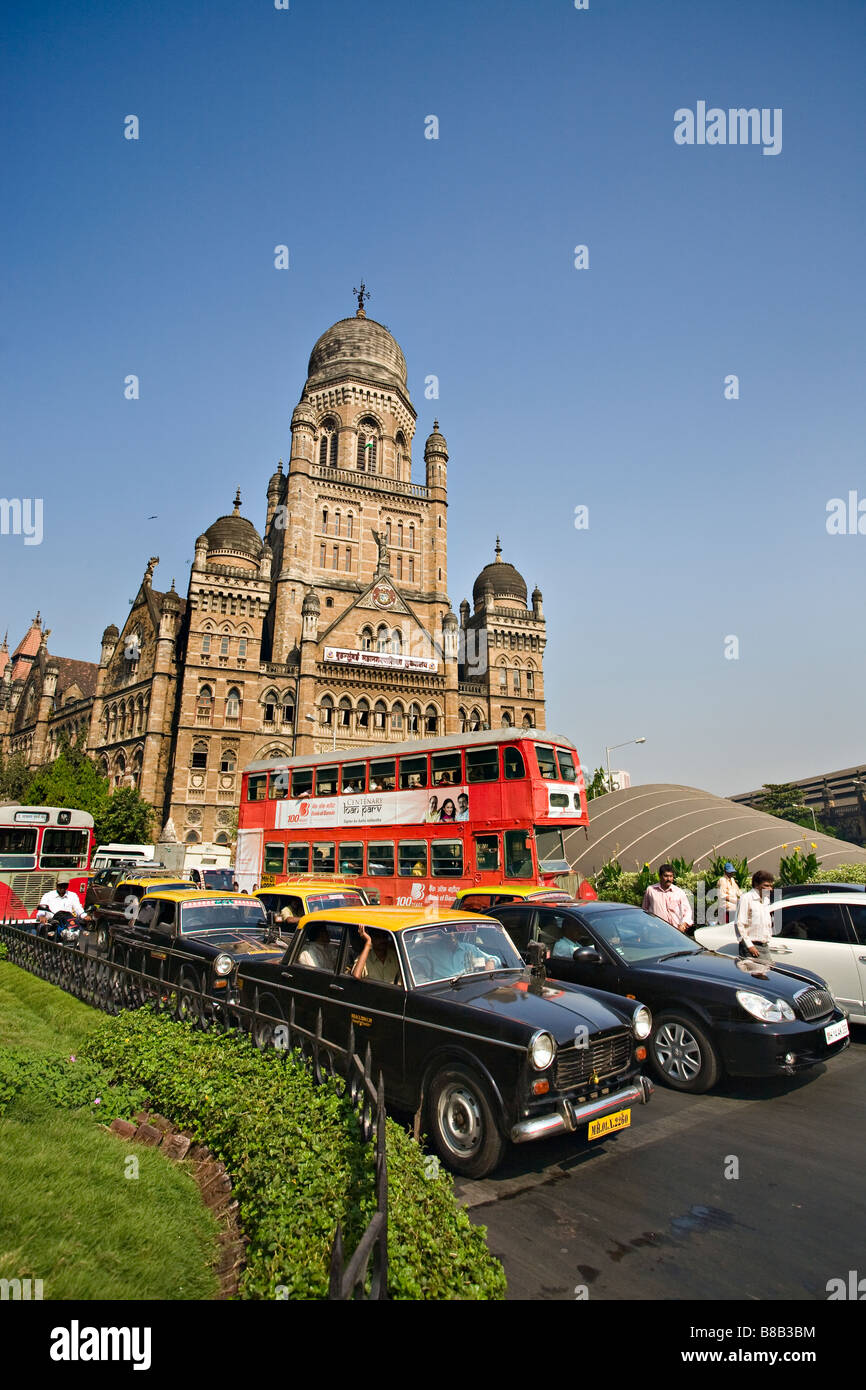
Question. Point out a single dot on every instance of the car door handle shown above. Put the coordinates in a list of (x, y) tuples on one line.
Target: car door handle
[(338, 988), (863, 958), (781, 950)]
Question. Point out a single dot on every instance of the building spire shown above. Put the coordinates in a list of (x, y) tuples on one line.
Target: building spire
[(498, 551), (237, 510), (363, 293)]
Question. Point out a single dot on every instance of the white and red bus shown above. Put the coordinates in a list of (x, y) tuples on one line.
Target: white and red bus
[(416, 821), (37, 843)]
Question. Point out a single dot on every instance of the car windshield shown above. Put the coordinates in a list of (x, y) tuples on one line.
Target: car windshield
[(635, 936), (221, 912), (451, 949), (220, 880), (324, 902)]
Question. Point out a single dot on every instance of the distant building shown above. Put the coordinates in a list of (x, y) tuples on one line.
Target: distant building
[(837, 798), (620, 780), (332, 628)]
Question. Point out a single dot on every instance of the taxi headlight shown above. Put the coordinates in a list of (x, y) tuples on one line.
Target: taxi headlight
[(642, 1022), (223, 964), (542, 1050), (766, 1009)]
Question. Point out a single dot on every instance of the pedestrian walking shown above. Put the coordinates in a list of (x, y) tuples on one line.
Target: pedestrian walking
[(754, 926), (665, 900), (729, 893)]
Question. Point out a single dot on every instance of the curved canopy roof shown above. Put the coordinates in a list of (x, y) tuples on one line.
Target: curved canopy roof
[(661, 821)]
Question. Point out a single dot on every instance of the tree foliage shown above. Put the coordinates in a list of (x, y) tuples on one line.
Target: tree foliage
[(786, 801), (598, 786), (15, 777), (74, 780)]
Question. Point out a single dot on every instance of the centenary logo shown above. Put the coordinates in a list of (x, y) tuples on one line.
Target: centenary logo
[(304, 808)]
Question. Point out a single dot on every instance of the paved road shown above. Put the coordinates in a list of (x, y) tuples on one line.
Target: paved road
[(651, 1215)]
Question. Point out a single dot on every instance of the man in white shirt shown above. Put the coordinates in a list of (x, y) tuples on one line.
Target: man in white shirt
[(754, 925), (665, 900), (60, 901), (318, 953)]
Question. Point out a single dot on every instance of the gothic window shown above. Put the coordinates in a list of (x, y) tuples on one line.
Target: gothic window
[(517, 680), (345, 713), (380, 710), (401, 452), (191, 837), (461, 715), (224, 646), (399, 533), (396, 643), (507, 721), (328, 443), (221, 838), (198, 761), (475, 721), (411, 570), (205, 644), (363, 713), (366, 639), (228, 760), (335, 560), (326, 711), (399, 566), (204, 705), (349, 524), (411, 537), (242, 648), (348, 558), (503, 678), (338, 521), (325, 520), (368, 446), (413, 719), (288, 710), (322, 555), (270, 707), (397, 718), (233, 703), (530, 683), (382, 639), (527, 721)]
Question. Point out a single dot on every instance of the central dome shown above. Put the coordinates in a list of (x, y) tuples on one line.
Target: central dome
[(234, 535), (506, 582), (357, 347)]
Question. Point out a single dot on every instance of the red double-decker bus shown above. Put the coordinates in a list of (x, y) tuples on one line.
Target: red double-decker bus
[(37, 843), (415, 821)]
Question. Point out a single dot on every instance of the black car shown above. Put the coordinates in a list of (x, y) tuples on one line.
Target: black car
[(194, 939), (465, 1036), (711, 1014)]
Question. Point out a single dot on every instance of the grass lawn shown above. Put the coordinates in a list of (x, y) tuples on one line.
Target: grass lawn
[(69, 1214)]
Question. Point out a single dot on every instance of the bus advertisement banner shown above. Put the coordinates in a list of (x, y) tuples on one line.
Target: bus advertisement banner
[(412, 807)]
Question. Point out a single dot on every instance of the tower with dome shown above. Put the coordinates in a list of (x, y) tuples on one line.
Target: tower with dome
[(329, 629)]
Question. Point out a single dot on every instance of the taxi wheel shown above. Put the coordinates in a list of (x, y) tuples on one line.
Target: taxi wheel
[(188, 1007), (264, 1032), (462, 1124), (682, 1054)]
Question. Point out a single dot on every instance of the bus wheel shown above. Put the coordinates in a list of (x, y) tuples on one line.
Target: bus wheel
[(462, 1124)]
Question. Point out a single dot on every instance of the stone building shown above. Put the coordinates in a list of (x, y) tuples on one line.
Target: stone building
[(330, 629)]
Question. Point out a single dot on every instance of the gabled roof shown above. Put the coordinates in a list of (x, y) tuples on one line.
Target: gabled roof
[(72, 672)]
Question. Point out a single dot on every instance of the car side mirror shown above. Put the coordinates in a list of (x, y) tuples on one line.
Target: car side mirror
[(587, 955)]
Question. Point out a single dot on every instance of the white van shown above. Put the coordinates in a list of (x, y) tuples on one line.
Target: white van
[(109, 856)]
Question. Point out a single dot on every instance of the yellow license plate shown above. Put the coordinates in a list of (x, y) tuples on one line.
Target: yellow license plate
[(609, 1124)]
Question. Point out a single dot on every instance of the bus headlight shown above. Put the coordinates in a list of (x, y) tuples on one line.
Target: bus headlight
[(542, 1050), (223, 964), (642, 1022)]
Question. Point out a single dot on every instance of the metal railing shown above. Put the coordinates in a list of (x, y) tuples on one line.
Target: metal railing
[(176, 988)]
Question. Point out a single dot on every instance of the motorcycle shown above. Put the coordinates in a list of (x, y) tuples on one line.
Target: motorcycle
[(64, 927)]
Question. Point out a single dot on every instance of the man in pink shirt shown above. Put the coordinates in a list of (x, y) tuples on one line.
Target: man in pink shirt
[(665, 900)]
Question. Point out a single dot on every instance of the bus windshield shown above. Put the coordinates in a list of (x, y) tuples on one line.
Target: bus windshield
[(551, 854)]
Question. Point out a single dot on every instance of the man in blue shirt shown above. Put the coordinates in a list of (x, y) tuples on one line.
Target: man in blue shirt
[(571, 938)]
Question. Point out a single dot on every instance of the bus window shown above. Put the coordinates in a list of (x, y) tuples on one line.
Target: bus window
[(487, 853), (279, 788), (354, 778), (17, 848), (323, 858), (447, 769), (302, 782), (380, 858), (551, 855), (447, 858), (412, 859), (352, 859), (518, 854), (275, 858), (546, 762), (298, 859), (512, 761), (482, 764), (383, 775), (326, 781), (64, 849), (567, 770), (559, 800), (257, 786), (413, 773)]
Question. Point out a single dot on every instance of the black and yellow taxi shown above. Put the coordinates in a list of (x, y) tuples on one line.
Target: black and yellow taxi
[(465, 1035), (121, 890), (295, 898), (194, 938), (486, 895)]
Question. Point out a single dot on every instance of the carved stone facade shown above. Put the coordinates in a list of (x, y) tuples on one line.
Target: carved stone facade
[(333, 629)]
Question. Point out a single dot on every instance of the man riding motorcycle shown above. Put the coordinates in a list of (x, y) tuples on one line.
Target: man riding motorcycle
[(57, 910)]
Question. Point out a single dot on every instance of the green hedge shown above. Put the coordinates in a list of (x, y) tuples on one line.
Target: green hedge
[(297, 1164)]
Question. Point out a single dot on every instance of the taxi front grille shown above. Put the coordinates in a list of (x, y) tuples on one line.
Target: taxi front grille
[(814, 1003), (575, 1066)]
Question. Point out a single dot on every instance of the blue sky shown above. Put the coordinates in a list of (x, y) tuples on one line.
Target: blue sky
[(558, 387)]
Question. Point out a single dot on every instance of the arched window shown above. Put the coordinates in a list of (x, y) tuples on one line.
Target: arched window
[(137, 760), (380, 711), (221, 838), (461, 715), (475, 721), (517, 680), (233, 703), (191, 837), (228, 760), (338, 520), (198, 760), (411, 537), (506, 719), (413, 719), (366, 639), (411, 570), (399, 566), (401, 452), (269, 703), (530, 683), (328, 443), (382, 639), (396, 643), (139, 714), (397, 718), (350, 521), (288, 710), (119, 770), (224, 646), (503, 677), (325, 520), (326, 711), (527, 722), (205, 644), (399, 533), (431, 720), (204, 707), (368, 446), (363, 714), (345, 713)]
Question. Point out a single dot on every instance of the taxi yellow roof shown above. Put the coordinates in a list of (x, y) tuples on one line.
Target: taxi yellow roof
[(192, 895), (394, 918), (520, 890), (298, 889)]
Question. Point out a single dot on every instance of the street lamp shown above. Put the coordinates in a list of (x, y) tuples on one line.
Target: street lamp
[(312, 720), (609, 749)]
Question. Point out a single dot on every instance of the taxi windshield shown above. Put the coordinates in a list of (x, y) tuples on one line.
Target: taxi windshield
[(221, 912), (448, 950), (634, 935), (324, 902)]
